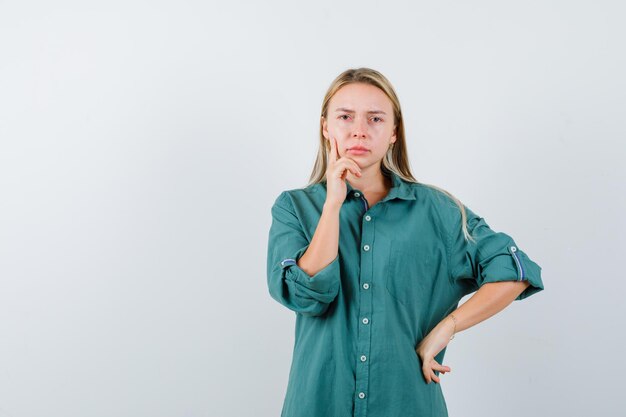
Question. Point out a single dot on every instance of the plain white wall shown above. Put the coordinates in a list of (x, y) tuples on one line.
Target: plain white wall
[(143, 143)]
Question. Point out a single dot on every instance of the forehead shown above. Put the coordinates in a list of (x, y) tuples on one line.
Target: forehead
[(360, 97)]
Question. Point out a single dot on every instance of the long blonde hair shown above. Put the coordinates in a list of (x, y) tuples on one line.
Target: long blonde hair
[(396, 158)]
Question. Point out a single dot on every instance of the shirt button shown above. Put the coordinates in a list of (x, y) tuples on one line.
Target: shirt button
[(361, 395), (368, 217), (357, 194), (513, 248), (363, 358), (366, 285), (366, 247), (365, 320)]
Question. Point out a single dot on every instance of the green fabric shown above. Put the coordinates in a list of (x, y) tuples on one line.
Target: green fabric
[(359, 320)]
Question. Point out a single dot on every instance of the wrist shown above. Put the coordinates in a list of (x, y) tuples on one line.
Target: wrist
[(332, 206), (452, 322)]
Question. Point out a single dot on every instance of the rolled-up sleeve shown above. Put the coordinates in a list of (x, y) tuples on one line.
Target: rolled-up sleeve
[(289, 284), (491, 257)]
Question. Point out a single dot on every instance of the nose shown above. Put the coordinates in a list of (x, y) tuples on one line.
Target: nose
[(359, 128)]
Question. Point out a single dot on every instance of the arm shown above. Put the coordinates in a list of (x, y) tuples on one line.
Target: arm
[(304, 284), (324, 245), (490, 299), (495, 265)]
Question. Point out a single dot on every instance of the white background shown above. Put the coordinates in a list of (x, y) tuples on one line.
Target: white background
[(143, 143)]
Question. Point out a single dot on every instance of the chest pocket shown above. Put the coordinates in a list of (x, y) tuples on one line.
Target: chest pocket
[(408, 278)]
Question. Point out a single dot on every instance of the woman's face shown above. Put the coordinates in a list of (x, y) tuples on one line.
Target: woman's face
[(360, 115)]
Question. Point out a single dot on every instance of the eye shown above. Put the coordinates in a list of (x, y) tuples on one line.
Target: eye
[(343, 115), (376, 117)]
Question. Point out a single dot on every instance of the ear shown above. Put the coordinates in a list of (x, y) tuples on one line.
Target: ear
[(324, 127), (394, 137)]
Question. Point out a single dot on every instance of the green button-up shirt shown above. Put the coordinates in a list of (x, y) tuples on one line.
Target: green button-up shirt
[(402, 266)]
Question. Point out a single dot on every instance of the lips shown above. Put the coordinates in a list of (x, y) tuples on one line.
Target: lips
[(358, 150)]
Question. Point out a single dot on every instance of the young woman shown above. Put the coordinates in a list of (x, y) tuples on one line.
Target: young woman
[(374, 264)]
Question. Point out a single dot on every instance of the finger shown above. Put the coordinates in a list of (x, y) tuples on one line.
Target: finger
[(356, 166), (434, 377), (347, 160), (347, 165), (331, 153), (337, 155), (442, 368), (427, 374)]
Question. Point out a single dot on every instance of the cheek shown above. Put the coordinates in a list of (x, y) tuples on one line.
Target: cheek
[(381, 146), (340, 127)]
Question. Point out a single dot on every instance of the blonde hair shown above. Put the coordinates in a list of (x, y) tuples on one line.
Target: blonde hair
[(396, 158)]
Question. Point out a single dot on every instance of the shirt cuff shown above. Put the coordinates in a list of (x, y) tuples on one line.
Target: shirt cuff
[(325, 281), (513, 266)]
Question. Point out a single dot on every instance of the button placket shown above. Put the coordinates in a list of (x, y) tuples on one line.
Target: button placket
[(365, 310), (358, 194)]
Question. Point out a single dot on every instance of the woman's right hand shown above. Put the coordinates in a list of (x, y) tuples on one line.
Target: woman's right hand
[(336, 173)]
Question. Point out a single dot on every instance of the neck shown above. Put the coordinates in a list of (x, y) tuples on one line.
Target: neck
[(372, 181)]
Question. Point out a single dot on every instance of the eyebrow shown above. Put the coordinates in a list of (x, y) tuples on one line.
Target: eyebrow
[(352, 111)]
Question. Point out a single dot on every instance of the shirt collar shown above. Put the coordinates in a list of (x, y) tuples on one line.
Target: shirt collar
[(399, 189)]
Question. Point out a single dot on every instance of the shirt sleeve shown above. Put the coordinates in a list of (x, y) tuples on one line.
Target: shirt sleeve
[(492, 257), (288, 283)]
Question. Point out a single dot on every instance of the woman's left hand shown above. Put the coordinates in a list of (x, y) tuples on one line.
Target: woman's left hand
[(431, 345)]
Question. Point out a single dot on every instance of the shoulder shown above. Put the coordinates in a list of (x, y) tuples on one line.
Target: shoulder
[(446, 206), (433, 195), (292, 197)]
